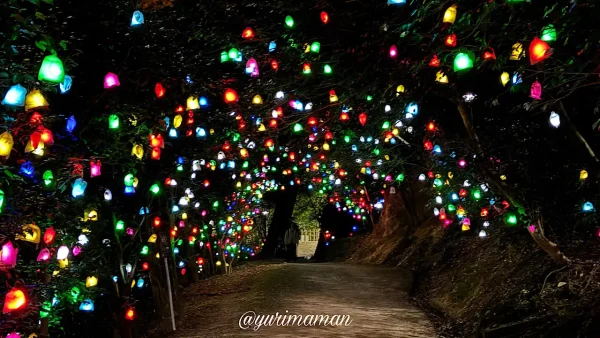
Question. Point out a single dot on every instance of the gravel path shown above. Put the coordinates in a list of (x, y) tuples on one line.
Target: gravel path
[(374, 297)]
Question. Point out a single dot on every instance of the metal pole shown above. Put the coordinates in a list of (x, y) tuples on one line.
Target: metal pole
[(170, 295)]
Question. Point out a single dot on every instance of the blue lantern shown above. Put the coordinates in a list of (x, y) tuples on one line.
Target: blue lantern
[(412, 108), (144, 211), (173, 133), (167, 122), (137, 19), (203, 101), (587, 206), (65, 86), (129, 190), (200, 132), (272, 46), (86, 306), (437, 149), (71, 124), (79, 187), (140, 283), (27, 169), (396, 2), (15, 96), (354, 147)]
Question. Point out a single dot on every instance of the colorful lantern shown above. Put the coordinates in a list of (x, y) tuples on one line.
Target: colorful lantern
[(8, 255), (65, 86), (49, 235), (451, 40), (434, 62), (15, 96), (159, 90), (111, 80), (536, 91), (252, 67), (555, 122), (113, 122), (393, 51), (91, 281), (462, 61), (306, 68), (35, 99), (51, 70), (230, 96), (538, 51), (79, 187), (44, 255), (362, 118), (289, 21), (450, 15), (441, 77), (504, 78), (257, 99), (248, 33), (549, 33), (31, 233), (137, 19), (6, 144), (95, 168), (14, 300), (517, 52), (324, 17), (315, 47)]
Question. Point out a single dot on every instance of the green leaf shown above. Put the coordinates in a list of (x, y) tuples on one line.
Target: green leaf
[(63, 44), (41, 45), (49, 1), (8, 173), (17, 17), (3, 75), (40, 16), (37, 2)]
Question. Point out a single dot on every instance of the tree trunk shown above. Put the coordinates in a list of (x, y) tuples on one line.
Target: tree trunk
[(538, 235), (281, 220)]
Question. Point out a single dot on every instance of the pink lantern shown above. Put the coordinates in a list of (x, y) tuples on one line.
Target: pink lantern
[(76, 250), (95, 168), (13, 335), (536, 91), (111, 80), (44, 255), (393, 51), (252, 67), (9, 254)]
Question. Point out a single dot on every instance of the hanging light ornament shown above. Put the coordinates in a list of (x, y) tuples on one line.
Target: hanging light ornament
[(451, 40), (555, 122), (137, 19), (362, 118), (230, 96), (393, 51), (517, 52), (441, 77), (450, 15), (324, 17), (252, 67), (462, 61), (504, 78), (539, 51), (549, 33), (15, 96), (34, 100), (306, 68), (159, 90), (289, 21), (489, 54), (6, 144), (434, 62), (14, 300), (248, 33), (51, 70), (536, 91), (111, 80)]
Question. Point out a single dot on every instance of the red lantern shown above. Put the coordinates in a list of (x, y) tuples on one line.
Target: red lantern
[(324, 17), (130, 314), (362, 118), (328, 136), (157, 141), (145, 266), (431, 126), (274, 64), (539, 50), (157, 222), (248, 33), (179, 109), (230, 96), (46, 135), (155, 155), (14, 300), (36, 118), (434, 62), (428, 145), (292, 156), (269, 143), (49, 235), (306, 68), (489, 54), (312, 121), (344, 116), (159, 90), (451, 40), (273, 123)]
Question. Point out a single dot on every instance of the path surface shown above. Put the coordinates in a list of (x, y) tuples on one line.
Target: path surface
[(375, 297)]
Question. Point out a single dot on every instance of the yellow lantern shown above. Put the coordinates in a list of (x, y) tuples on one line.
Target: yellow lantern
[(333, 97), (450, 15), (399, 90), (257, 99), (91, 281), (192, 103), (336, 165), (184, 215), (211, 131), (441, 77), (91, 215), (517, 52), (583, 175), (262, 127), (229, 219), (326, 146), (177, 121), (63, 263), (6, 144), (363, 170), (466, 227), (504, 78), (35, 99), (31, 233), (137, 151), (152, 238), (218, 263), (395, 131), (450, 175)]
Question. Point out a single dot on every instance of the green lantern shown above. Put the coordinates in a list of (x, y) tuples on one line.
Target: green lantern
[(233, 54), (155, 189), (113, 122), (462, 61), (52, 70), (297, 128), (386, 125), (315, 47), (48, 178), (145, 250), (549, 33), (511, 219), (224, 57), (120, 226), (289, 21), (327, 69)]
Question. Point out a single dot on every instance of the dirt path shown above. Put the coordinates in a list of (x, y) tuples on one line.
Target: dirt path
[(374, 297)]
